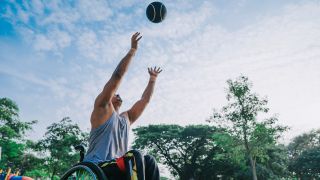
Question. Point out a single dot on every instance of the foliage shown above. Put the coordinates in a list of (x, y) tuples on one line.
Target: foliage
[(306, 165), (272, 165), (58, 144), (12, 131), (190, 152), (33, 166), (240, 116), (304, 154), (238, 143), (11, 126), (303, 142)]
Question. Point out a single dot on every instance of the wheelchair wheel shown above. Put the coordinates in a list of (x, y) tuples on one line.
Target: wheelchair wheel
[(84, 171)]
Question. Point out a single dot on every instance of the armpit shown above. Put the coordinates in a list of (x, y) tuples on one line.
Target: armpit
[(126, 117)]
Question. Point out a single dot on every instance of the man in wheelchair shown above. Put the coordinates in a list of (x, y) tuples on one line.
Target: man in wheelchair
[(108, 143)]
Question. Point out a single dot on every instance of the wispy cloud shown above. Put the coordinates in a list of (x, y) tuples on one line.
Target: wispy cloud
[(279, 52)]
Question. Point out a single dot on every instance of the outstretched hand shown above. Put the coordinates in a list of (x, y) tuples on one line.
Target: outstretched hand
[(134, 40), (154, 71)]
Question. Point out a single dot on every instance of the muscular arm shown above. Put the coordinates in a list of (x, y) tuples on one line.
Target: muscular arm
[(103, 107), (146, 96), (112, 85), (140, 105)]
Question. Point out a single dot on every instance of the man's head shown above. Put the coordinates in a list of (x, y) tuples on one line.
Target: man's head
[(116, 101)]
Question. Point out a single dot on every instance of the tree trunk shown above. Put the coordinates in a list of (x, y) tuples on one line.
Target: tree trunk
[(253, 167), (248, 149)]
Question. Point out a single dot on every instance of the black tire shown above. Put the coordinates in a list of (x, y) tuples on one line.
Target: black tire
[(88, 170)]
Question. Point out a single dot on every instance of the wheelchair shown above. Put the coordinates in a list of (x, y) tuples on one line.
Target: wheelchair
[(133, 168)]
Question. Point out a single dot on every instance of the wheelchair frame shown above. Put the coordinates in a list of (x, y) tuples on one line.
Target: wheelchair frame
[(97, 173)]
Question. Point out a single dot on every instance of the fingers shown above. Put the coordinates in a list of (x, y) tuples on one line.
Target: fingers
[(136, 37), (158, 70), (136, 34), (139, 38), (154, 69)]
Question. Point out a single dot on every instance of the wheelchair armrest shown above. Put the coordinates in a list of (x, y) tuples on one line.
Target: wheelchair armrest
[(139, 160), (80, 148)]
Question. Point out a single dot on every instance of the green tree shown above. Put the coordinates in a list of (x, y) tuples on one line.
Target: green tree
[(33, 166), (304, 155), (58, 143), (12, 131), (240, 118), (32, 162), (303, 142), (190, 152), (306, 165), (273, 165)]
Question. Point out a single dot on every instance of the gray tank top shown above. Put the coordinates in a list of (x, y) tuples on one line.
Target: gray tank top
[(109, 140)]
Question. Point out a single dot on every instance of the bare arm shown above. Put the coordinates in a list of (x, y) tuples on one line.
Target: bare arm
[(112, 85), (140, 105)]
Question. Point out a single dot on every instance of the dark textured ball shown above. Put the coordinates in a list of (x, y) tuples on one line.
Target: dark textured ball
[(156, 12)]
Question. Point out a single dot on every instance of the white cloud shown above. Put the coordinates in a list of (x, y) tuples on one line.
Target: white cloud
[(23, 16), (94, 10), (124, 3), (279, 53), (59, 15), (181, 24), (37, 6), (43, 43), (198, 67), (195, 70), (54, 41), (56, 86), (61, 38), (88, 45)]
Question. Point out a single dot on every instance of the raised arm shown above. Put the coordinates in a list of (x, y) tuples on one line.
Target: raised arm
[(140, 105), (112, 85)]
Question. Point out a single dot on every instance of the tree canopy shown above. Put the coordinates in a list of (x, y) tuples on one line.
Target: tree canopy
[(304, 155), (58, 143), (190, 152), (240, 118), (12, 131)]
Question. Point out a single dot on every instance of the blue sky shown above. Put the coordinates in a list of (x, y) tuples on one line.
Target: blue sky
[(55, 57)]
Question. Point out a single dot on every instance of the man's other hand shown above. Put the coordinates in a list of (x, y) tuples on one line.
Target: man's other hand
[(134, 40)]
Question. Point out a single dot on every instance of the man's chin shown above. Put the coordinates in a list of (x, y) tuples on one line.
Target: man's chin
[(118, 104)]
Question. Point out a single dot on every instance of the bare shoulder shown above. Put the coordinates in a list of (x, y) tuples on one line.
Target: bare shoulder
[(100, 115)]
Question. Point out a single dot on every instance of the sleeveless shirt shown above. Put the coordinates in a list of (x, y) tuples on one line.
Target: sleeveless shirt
[(109, 140)]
